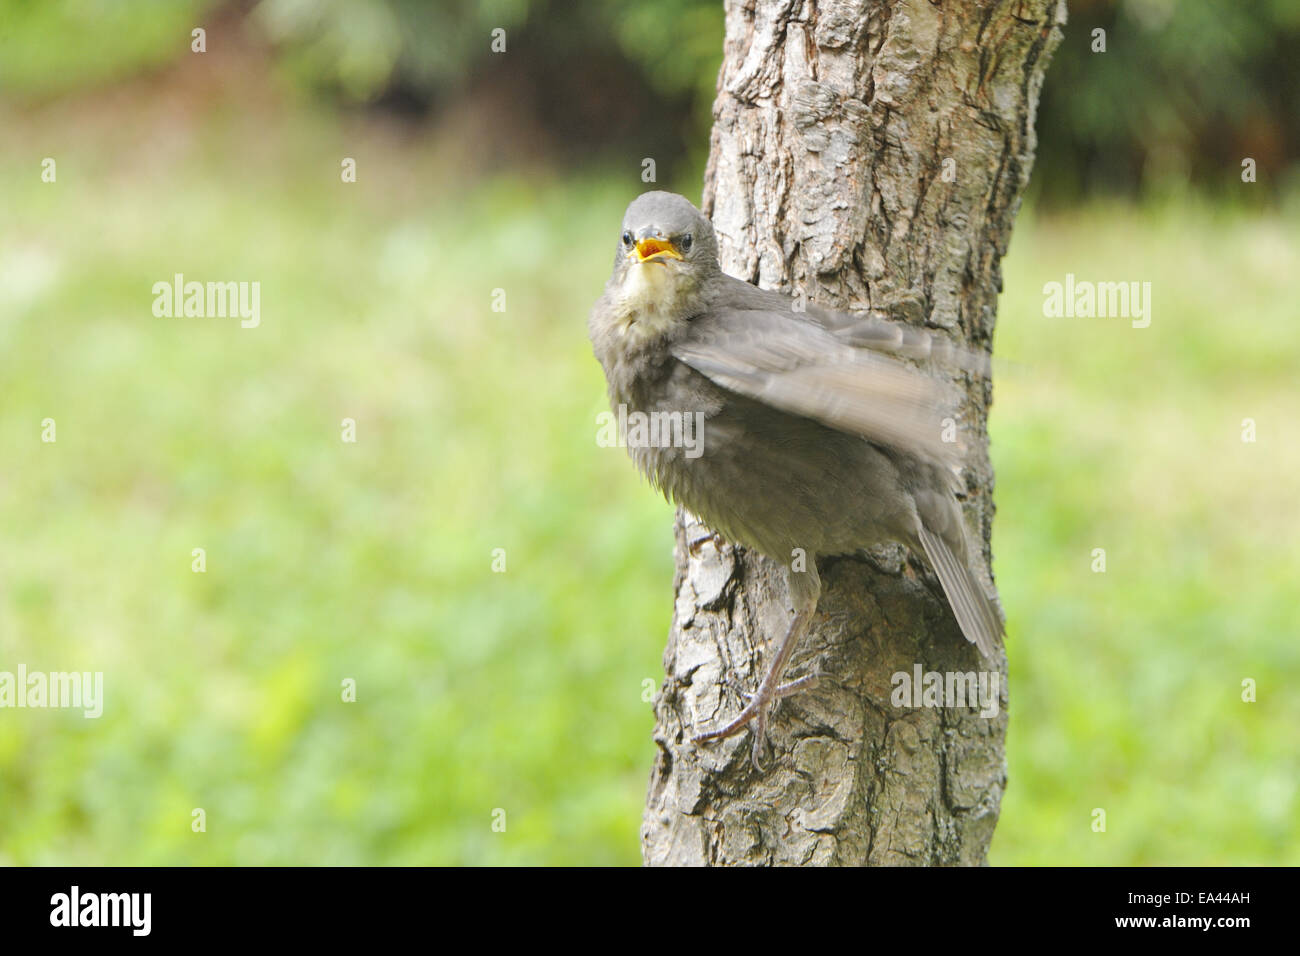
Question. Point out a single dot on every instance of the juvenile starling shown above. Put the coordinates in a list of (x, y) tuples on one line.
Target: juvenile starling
[(815, 434)]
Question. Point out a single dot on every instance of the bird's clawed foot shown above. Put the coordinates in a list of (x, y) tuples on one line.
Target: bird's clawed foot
[(756, 712), (804, 587), (715, 539)]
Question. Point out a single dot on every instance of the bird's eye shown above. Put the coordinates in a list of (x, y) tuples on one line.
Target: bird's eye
[(685, 243), (627, 238)]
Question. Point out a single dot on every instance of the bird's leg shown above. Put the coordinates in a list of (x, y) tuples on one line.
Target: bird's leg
[(805, 588)]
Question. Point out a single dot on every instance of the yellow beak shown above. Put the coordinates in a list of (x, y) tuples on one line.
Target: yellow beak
[(647, 249)]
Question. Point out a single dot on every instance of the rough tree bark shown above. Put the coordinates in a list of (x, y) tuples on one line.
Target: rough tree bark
[(872, 154)]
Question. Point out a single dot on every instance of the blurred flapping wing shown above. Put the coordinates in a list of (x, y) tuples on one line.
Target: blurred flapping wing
[(803, 369)]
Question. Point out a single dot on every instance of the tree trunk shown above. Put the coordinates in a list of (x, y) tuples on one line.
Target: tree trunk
[(871, 155)]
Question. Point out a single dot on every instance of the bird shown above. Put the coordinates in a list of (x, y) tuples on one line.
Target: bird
[(816, 434)]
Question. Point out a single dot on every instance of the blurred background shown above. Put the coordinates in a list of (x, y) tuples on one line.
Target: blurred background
[(521, 695)]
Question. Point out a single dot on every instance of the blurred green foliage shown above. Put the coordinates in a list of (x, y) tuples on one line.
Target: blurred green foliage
[(365, 47), (48, 47), (594, 77), (523, 690), (360, 48), (1183, 92)]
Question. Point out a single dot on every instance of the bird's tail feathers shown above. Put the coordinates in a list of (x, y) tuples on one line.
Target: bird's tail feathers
[(970, 604)]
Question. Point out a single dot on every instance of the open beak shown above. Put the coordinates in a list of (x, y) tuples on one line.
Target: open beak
[(650, 249)]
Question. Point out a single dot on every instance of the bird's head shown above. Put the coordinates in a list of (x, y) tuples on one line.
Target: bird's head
[(666, 251)]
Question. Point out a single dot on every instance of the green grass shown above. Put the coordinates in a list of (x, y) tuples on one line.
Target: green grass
[(1127, 686), (522, 690)]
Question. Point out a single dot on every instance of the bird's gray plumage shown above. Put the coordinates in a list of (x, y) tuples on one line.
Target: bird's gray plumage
[(818, 435)]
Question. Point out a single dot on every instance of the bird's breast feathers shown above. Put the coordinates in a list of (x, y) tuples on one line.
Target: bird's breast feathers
[(648, 302)]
